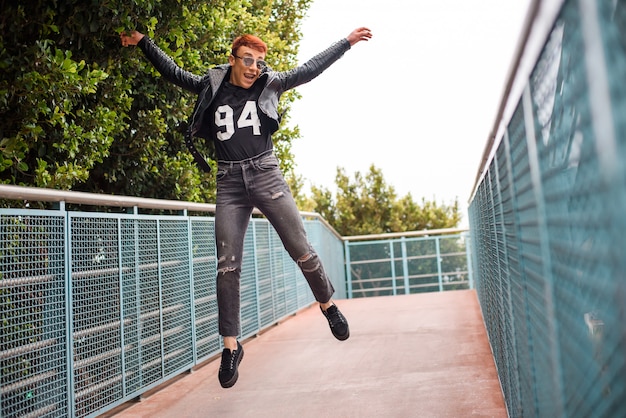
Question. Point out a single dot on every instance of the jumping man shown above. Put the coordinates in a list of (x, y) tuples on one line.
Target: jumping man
[(237, 109)]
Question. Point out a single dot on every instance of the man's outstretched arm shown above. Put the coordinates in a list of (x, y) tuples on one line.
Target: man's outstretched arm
[(162, 62)]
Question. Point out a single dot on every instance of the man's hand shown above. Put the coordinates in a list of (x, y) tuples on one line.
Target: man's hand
[(130, 38), (359, 34)]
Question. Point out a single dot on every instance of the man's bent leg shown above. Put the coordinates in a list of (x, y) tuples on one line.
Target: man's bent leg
[(275, 200), (278, 205)]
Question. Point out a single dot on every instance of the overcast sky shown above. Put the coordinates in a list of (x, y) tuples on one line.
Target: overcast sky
[(418, 100)]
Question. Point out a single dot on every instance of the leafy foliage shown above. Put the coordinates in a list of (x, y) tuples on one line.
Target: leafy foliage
[(81, 112), (367, 205)]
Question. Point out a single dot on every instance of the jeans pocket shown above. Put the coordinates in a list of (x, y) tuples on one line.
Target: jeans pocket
[(221, 173), (268, 164)]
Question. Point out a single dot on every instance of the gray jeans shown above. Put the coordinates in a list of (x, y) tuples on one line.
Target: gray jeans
[(241, 186)]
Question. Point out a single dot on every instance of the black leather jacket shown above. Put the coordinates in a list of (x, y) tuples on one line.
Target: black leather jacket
[(206, 86)]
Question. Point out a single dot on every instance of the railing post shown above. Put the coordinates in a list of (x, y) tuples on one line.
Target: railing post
[(69, 324), (438, 254), (393, 268), (120, 276), (137, 292), (346, 245), (192, 289), (160, 279), (405, 266), (255, 257), (468, 256), (546, 265)]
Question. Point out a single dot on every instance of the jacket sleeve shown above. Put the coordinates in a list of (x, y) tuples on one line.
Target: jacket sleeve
[(168, 68), (313, 67)]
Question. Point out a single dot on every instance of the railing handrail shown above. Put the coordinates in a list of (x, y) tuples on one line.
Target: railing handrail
[(41, 194), (392, 235), (536, 28)]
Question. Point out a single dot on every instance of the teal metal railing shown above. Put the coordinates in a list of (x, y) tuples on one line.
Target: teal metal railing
[(547, 216), (99, 307)]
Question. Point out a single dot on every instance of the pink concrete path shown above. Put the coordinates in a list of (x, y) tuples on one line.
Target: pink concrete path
[(424, 355)]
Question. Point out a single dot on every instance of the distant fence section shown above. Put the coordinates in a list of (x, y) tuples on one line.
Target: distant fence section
[(548, 217), (402, 264)]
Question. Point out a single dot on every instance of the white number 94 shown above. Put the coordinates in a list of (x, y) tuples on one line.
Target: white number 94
[(249, 118)]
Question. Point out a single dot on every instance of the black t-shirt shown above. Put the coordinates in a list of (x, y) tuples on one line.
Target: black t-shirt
[(238, 127)]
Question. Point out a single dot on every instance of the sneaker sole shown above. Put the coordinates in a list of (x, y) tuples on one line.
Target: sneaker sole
[(342, 337), (233, 380)]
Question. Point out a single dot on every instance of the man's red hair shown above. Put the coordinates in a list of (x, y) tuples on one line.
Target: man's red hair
[(250, 41)]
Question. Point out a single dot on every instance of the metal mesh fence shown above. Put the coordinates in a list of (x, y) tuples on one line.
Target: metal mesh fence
[(407, 265), (98, 308), (33, 301), (96, 312), (548, 226), (205, 301)]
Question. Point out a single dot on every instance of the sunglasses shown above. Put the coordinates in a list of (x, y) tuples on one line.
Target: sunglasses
[(248, 61)]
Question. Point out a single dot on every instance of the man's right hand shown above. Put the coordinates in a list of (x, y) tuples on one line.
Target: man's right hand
[(131, 38)]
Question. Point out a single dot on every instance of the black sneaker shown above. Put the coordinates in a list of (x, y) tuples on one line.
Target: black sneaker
[(228, 369), (337, 322)]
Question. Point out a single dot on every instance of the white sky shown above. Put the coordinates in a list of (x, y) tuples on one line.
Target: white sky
[(418, 100)]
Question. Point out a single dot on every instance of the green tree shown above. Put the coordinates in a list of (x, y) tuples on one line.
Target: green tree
[(80, 112), (367, 205)]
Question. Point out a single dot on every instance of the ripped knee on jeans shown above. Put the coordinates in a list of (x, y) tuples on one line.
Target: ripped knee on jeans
[(227, 265), (309, 262)]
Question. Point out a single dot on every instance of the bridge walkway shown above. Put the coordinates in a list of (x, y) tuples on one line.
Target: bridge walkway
[(424, 355)]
